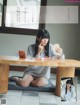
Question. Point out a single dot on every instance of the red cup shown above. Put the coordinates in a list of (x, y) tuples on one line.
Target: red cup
[(22, 54)]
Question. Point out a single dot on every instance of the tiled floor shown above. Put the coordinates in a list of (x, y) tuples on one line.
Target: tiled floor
[(18, 97)]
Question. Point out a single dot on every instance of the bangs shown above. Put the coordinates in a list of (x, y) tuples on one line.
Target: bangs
[(69, 82), (44, 34)]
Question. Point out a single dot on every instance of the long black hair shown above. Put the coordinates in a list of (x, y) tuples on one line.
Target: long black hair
[(69, 82), (41, 35)]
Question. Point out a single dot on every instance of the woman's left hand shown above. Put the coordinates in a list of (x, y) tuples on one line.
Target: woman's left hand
[(57, 49)]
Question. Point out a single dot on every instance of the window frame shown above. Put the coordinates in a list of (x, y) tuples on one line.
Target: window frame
[(22, 31)]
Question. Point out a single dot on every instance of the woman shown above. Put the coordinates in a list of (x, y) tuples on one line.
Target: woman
[(68, 92), (39, 75)]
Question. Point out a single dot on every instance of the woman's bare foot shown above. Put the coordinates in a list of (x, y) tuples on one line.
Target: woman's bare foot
[(15, 78)]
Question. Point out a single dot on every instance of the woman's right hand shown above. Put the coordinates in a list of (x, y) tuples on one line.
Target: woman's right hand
[(40, 48)]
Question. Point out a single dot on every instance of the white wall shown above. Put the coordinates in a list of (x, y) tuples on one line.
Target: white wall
[(67, 37), (10, 44)]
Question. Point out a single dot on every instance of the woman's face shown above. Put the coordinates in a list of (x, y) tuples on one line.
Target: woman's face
[(68, 86), (44, 41)]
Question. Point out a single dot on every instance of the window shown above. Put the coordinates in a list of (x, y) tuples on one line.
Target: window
[(22, 16)]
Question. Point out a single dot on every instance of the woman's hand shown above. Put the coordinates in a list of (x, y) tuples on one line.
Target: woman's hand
[(40, 48), (57, 49)]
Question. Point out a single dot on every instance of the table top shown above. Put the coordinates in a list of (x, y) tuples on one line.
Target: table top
[(39, 62)]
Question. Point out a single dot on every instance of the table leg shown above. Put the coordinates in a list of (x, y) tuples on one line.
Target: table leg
[(4, 74), (63, 72)]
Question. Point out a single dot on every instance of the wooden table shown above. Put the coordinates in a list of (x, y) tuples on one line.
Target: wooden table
[(65, 68)]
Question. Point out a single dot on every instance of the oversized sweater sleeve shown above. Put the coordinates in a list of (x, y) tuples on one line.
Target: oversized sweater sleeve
[(31, 51), (69, 96), (73, 93)]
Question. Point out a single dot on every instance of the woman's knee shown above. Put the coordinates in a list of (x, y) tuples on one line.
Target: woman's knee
[(25, 82), (40, 82)]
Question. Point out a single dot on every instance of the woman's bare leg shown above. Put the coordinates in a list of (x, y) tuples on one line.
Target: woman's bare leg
[(25, 81), (39, 82)]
